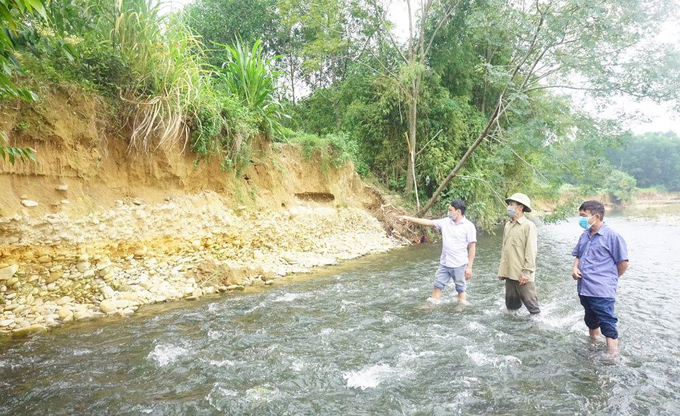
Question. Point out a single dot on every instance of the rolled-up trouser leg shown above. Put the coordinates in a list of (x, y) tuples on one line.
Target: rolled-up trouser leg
[(600, 311)]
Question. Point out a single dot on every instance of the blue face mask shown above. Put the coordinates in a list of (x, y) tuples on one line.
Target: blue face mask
[(583, 222), (452, 217), (511, 211)]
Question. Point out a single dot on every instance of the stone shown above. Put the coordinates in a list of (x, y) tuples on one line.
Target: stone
[(12, 281), (44, 259), (63, 300), (108, 293), (54, 276), (29, 203), (7, 272), (88, 274), (131, 296), (64, 313), (103, 264), (82, 266), (32, 329), (236, 287), (7, 322), (65, 202), (82, 315), (63, 187), (107, 306)]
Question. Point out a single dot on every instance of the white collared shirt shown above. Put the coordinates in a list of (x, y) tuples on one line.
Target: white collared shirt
[(455, 236)]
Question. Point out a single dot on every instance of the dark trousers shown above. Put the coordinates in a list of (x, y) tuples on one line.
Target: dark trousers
[(600, 314), (516, 295)]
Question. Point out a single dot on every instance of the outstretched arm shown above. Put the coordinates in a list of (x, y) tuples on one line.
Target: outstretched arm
[(420, 221)]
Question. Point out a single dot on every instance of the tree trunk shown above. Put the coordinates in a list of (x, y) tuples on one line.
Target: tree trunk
[(412, 119)]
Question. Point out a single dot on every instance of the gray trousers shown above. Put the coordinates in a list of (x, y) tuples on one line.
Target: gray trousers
[(516, 295)]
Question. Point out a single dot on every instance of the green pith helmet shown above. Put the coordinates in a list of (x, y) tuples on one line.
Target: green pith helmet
[(521, 199)]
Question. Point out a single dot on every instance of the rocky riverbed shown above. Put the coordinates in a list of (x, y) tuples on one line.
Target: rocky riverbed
[(56, 269)]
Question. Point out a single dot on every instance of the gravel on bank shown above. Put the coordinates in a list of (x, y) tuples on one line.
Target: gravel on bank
[(56, 270)]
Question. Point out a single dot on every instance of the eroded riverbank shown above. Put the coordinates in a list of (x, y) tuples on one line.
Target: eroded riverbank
[(54, 270)]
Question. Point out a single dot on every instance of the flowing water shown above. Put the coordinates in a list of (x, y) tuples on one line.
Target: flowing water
[(360, 339)]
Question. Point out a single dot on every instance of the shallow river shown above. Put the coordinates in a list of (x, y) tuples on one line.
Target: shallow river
[(360, 339)]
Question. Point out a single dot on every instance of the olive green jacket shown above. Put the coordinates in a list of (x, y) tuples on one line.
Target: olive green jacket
[(518, 255)]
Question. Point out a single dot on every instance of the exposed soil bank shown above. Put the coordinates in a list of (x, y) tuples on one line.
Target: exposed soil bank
[(91, 230)]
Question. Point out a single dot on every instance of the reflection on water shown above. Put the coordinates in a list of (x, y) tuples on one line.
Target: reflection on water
[(360, 338)]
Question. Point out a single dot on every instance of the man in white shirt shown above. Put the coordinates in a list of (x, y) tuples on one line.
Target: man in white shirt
[(459, 238)]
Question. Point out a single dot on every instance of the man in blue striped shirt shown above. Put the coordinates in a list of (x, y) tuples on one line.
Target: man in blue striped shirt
[(601, 257)]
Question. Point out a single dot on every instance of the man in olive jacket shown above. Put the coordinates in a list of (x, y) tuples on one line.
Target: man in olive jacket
[(518, 256)]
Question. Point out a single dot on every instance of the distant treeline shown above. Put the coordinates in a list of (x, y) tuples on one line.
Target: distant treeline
[(653, 159)]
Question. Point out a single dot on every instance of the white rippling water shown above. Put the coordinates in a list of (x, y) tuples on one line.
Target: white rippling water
[(360, 338)]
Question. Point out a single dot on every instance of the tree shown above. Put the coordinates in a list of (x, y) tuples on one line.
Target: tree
[(8, 10), (414, 64), (599, 48), (223, 21), (653, 159)]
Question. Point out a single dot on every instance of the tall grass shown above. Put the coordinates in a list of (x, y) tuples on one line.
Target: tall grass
[(168, 82), (156, 66)]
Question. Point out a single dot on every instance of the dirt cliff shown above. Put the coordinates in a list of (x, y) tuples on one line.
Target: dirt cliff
[(92, 229)]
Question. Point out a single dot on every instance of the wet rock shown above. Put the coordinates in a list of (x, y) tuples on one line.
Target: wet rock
[(29, 330)]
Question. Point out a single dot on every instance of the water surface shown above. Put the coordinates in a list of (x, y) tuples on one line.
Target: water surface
[(360, 339)]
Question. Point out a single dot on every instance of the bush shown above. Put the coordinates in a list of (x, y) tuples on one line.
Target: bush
[(334, 150), (620, 186)]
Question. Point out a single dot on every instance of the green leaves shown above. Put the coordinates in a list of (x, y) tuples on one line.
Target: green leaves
[(8, 64), (13, 154), (249, 75)]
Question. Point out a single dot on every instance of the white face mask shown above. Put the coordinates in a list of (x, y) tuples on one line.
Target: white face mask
[(511, 211)]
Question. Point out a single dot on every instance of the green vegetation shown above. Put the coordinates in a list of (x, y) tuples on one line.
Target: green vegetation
[(11, 21), (470, 104), (653, 159)]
